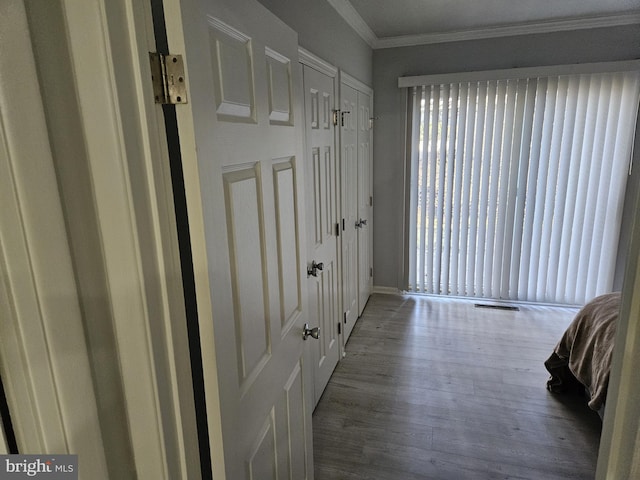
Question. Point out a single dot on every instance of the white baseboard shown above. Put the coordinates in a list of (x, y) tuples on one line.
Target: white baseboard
[(386, 290)]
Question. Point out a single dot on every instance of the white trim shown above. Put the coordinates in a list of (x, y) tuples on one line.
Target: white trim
[(386, 290), (513, 73), (44, 357), (126, 156), (158, 243), (619, 443), (228, 30), (91, 57), (355, 83), (353, 18), (508, 31), (307, 58), (278, 57), (177, 13)]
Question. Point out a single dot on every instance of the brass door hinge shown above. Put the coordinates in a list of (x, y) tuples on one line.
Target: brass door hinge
[(167, 75), (336, 114)]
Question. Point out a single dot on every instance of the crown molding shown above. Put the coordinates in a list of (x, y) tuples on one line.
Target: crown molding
[(509, 30), (353, 18)]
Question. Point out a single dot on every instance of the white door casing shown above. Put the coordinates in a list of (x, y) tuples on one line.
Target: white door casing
[(122, 164), (349, 204), (322, 200), (43, 352), (242, 155)]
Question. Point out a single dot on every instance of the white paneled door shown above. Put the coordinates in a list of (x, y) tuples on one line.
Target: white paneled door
[(350, 220), (246, 102), (365, 201), (322, 195)]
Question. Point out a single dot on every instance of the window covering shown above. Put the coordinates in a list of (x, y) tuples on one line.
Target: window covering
[(517, 185)]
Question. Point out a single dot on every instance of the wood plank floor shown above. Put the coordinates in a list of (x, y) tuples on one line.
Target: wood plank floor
[(440, 389)]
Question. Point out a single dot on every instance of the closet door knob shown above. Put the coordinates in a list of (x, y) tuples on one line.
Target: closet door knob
[(310, 332)]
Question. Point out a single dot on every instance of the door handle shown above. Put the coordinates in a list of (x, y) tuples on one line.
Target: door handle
[(360, 223), (342, 115), (310, 332), (312, 271)]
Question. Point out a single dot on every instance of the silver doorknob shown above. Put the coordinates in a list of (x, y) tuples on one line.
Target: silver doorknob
[(310, 332), (312, 271), (360, 223)]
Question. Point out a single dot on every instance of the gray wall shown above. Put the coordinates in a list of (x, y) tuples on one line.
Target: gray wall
[(323, 32), (581, 46)]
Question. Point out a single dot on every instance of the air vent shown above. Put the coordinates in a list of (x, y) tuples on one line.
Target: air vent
[(497, 307)]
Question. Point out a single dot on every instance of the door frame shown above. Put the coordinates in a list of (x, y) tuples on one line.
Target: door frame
[(134, 204), (618, 456), (45, 363), (126, 155), (92, 31)]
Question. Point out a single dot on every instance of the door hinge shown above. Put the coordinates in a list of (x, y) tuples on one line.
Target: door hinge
[(336, 114), (343, 224), (371, 200), (339, 328), (167, 76), (337, 229), (371, 272), (344, 318)]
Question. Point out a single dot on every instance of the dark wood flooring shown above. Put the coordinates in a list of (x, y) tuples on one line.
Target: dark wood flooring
[(441, 389)]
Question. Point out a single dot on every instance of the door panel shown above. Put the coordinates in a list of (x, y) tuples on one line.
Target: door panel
[(244, 79), (322, 221), (349, 180), (364, 201)]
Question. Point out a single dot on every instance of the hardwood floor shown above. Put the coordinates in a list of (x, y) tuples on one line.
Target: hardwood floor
[(440, 389)]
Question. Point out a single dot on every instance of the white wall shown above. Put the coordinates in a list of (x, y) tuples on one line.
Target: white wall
[(323, 32), (581, 46)]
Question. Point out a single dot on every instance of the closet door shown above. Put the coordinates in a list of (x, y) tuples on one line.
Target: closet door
[(365, 201), (322, 213), (357, 197), (349, 179)]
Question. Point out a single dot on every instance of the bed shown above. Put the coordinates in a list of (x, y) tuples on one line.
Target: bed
[(582, 358)]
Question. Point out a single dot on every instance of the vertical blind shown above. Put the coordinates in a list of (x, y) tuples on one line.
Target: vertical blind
[(517, 185)]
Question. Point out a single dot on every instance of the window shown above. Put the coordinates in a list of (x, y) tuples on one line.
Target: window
[(517, 185)]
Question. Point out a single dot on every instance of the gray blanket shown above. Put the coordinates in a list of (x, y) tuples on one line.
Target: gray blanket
[(584, 352)]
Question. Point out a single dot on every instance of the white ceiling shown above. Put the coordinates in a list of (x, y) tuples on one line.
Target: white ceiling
[(388, 23)]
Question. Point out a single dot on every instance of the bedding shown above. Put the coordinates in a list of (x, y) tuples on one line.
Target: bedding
[(582, 357)]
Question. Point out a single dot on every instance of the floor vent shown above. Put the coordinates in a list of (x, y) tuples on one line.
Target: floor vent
[(497, 307)]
